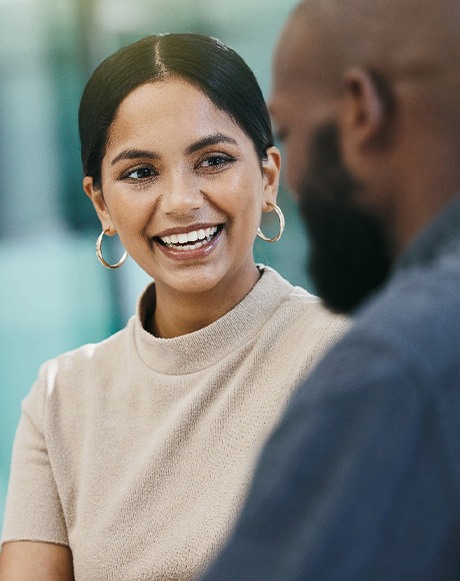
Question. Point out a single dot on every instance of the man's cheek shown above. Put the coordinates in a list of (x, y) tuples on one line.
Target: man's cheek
[(295, 167)]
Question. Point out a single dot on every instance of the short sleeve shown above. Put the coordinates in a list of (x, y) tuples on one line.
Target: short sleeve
[(33, 510)]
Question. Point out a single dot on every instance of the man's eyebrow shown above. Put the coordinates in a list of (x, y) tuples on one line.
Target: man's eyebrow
[(213, 139), (134, 154)]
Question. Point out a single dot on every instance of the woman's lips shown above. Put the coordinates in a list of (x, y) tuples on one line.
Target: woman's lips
[(192, 244), (197, 236)]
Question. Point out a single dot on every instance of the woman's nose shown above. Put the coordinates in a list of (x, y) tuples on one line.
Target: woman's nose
[(182, 196)]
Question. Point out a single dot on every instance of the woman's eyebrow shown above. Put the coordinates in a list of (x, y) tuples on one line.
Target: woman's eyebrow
[(134, 154), (213, 139)]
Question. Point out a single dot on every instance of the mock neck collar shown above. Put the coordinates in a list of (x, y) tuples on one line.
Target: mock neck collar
[(203, 348)]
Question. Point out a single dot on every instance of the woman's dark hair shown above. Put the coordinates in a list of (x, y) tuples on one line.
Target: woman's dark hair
[(205, 62)]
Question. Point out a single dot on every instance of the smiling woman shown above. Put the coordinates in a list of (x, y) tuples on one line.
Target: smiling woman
[(133, 456)]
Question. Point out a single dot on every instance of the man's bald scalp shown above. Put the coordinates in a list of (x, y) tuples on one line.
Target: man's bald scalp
[(413, 41)]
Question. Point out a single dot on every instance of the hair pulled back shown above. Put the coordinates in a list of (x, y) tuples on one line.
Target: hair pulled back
[(207, 63)]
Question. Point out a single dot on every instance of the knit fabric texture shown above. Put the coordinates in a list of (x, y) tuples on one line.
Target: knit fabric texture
[(137, 452)]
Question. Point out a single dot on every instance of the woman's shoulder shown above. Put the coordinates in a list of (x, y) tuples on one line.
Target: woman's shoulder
[(77, 379), (300, 299), (90, 360), (304, 316)]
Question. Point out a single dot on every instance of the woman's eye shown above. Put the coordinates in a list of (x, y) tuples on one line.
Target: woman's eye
[(140, 173), (216, 161)]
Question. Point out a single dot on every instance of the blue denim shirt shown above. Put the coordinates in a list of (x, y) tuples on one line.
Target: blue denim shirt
[(361, 480)]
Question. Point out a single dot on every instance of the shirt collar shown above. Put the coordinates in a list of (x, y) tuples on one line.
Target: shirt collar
[(443, 233)]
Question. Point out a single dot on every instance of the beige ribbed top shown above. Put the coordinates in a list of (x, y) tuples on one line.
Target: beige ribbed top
[(137, 451)]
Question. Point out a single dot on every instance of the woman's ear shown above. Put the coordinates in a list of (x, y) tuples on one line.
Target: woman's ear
[(95, 195), (271, 173)]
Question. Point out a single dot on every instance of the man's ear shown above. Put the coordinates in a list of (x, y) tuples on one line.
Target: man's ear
[(95, 195), (271, 173), (363, 114)]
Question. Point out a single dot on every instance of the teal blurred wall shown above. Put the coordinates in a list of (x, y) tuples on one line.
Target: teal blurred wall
[(54, 296)]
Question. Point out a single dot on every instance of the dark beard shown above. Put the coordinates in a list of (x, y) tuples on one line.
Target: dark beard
[(349, 254)]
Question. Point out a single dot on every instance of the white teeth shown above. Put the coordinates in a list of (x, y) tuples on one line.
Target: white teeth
[(195, 246), (202, 235)]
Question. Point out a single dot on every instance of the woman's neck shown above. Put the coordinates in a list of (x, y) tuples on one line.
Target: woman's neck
[(178, 314)]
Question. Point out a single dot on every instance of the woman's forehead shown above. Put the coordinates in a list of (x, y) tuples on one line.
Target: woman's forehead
[(171, 118), (169, 105)]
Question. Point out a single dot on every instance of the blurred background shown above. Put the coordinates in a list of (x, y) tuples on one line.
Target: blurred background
[(54, 295)]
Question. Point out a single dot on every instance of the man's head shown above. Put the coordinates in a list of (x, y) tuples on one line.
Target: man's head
[(365, 99)]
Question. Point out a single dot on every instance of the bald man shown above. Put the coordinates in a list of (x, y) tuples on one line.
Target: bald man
[(361, 480)]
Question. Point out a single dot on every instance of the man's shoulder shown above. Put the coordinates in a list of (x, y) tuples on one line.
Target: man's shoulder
[(411, 326), (419, 301)]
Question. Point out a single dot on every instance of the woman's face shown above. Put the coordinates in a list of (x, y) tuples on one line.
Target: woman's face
[(184, 189)]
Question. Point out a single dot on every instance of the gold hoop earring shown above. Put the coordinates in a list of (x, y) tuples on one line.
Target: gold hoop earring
[(101, 258), (280, 215)]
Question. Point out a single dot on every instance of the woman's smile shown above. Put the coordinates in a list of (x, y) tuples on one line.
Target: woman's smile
[(192, 243)]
